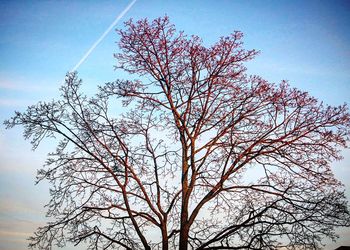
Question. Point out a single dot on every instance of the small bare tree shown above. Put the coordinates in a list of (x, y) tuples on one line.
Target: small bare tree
[(203, 156)]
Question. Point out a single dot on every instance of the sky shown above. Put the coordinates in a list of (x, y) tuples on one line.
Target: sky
[(304, 42)]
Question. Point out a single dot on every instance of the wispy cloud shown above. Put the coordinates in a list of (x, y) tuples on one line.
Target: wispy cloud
[(15, 102), (14, 234), (18, 85), (10, 207), (19, 92), (18, 221)]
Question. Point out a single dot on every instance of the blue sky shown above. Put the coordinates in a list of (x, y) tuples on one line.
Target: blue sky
[(305, 42)]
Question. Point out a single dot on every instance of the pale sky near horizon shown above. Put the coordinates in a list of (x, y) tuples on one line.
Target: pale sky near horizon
[(305, 42)]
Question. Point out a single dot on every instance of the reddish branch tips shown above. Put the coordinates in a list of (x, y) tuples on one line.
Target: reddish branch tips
[(157, 49), (204, 156)]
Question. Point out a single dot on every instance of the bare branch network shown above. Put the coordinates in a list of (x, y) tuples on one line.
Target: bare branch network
[(203, 156)]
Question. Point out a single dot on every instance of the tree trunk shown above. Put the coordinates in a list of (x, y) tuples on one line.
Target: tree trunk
[(165, 239), (165, 244), (184, 228), (183, 244)]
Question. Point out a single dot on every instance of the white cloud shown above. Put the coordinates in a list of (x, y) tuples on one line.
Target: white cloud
[(15, 102), (23, 86), (14, 233)]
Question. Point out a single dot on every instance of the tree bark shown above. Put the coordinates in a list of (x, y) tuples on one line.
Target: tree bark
[(184, 230), (165, 239), (184, 226)]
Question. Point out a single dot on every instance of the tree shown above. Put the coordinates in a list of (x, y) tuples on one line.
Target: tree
[(203, 156)]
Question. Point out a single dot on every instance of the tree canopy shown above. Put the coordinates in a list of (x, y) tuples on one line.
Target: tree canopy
[(199, 155)]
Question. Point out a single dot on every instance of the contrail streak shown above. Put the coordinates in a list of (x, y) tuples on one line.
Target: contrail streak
[(103, 35)]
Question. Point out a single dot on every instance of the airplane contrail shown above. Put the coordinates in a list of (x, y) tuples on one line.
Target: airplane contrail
[(103, 36)]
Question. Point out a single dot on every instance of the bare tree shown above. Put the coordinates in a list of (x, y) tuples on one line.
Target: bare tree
[(203, 156)]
